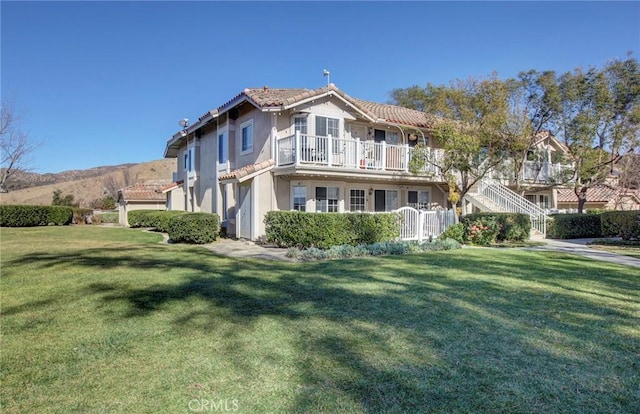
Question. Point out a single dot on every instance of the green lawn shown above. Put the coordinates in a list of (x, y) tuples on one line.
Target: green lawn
[(109, 320)]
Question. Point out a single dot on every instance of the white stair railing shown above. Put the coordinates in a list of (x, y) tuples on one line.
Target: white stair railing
[(512, 202)]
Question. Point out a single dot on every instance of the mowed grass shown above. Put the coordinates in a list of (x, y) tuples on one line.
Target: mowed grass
[(100, 320)]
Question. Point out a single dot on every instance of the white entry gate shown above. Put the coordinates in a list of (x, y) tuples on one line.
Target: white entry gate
[(423, 225)]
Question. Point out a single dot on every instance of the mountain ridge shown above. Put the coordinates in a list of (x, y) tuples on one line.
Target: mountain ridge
[(87, 185)]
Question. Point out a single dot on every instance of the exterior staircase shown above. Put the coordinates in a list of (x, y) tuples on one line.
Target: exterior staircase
[(491, 196)]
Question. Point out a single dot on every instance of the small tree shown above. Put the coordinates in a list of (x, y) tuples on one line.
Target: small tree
[(16, 146), (60, 200)]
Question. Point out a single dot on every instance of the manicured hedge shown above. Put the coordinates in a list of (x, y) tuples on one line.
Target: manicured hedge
[(198, 228), (625, 224), (157, 219), (487, 228), (30, 216), (574, 226), (323, 230)]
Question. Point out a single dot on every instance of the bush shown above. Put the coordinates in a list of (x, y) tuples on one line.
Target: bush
[(30, 216), (198, 228), (455, 232), (374, 249), (156, 219), (323, 230), (625, 224), (487, 228), (24, 216), (574, 226), (60, 215), (82, 216)]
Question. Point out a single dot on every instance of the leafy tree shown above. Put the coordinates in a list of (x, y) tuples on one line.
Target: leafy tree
[(60, 200), (16, 146), (599, 120), (470, 118)]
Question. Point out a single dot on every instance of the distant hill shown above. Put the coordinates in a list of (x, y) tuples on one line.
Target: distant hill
[(85, 185)]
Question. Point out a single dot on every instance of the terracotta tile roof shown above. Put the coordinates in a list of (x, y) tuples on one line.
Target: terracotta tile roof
[(171, 186), (143, 192), (397, 114), (599, 193), (246, 170), (273, 97)]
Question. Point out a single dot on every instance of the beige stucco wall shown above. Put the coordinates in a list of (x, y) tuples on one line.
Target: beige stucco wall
[(283, 191)]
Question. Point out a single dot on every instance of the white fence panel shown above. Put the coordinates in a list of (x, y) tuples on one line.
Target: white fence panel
[(424, 225)]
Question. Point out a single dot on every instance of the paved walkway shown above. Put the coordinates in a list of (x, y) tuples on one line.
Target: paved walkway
[(579, 247), (245, 248)]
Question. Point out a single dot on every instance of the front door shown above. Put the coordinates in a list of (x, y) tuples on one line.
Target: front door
[(245, 211)]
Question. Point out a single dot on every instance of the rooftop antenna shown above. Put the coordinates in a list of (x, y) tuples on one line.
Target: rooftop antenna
[(328, 75)]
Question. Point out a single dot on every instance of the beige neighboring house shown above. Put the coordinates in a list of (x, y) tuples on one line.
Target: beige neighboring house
[(604, 196), (140, 197), (317, 150)]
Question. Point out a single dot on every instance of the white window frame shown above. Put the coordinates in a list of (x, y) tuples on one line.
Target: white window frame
[(337, 199), (364, 199), (293, 197), (427, 191), (249, 148), (306, 124), (338, 128), (223, 153)]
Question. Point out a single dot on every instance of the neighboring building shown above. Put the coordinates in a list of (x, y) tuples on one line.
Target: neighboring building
[(308, 150), (140, 197), (603, 196)]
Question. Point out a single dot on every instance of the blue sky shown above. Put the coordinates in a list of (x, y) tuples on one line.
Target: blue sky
[(105, 83)]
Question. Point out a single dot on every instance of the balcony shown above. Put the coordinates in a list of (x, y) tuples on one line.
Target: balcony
[(535, 172), (303, 150)]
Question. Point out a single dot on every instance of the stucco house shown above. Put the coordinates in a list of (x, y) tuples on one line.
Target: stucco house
[(140, 197), (317, 150)]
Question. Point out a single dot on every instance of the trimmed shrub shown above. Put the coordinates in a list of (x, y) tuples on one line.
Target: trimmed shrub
[(323, 230), (24, 216), (198, 228), (60, 215), (156, 219), (625, 224), (574, 226), (30, 216), (455, 232)]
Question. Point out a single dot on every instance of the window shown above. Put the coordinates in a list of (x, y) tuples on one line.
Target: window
[(300, 124), (247, 136), (386, 200), (541, 200), (357, 200), (327, 199), (418, 199), (188, 159), (300, 198), (392, 138), (327, 126), (223, 152)]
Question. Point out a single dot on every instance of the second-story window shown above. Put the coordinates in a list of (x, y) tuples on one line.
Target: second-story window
[(327, 126), (188, 159), (247, 136), (300, 124), (222, 148)]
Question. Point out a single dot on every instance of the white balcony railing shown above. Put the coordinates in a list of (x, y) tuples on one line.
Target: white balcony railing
[(536, 172), (302, 149)]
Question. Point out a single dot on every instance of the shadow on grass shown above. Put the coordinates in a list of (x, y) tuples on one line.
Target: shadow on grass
[(436, 332)]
